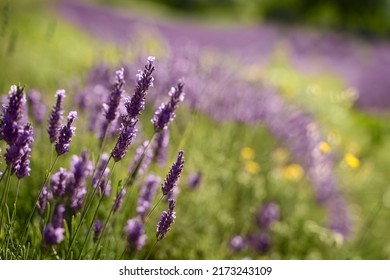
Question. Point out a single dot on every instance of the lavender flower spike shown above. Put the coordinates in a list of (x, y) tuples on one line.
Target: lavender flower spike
[(136, 237), (267, 215), (146, 196), (126, 136), (166, 220), (97, 229), (110, 109), (136, 103), (161, 147), (12, 114), (174, 174), (54, 233), (166, 112), (66, 134), (119, 200), (56, 117)]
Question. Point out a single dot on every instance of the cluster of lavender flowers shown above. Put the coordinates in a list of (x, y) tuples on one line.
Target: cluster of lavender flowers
[(260, 242)]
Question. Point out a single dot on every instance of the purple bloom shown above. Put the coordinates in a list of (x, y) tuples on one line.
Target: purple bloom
[(44, 198), (147, 195), (66, 134), (126, 136), (58, 216), (80, 167), (53, 235), (110, 109), (194, 180), (136, 103), (17, 155), (119, 200), (59, 182), (260, 242), (12, 114), (267, 215), (141, 155), (161, 147), (102, 173), (37, 108), (174, 174), (166, 112), (136, 237), (166, 220), (56, 117), (97, 229), (237, 243)]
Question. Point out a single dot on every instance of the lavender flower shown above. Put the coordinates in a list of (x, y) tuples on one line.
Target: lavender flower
[(136, 103), (166, 220), (126, 136), (53, 235), (161, 147), (12, 114), (97, 229), (80, 167), (141, 155), (37, 108), (110, 109), (58, 216), (237, 243), (45, 196), (260, 242), (174, 174), (119, 200), (66, 134), (136, 237), (166, 112), (194, 180), (59, 182), (18, 154), (147, 195), (56, 117), (267, 215), (102, 173)]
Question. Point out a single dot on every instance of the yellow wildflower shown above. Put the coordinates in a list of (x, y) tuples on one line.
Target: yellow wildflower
[(247, 153), (252, 167), (351, 160), (324, 147), (293, 172)]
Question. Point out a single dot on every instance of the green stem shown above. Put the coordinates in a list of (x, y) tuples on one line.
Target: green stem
[(5, 197), (154, 207), (102, 233), (96, 210), (151, 249)]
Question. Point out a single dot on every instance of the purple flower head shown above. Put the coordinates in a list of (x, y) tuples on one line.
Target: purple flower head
[(66, 134), (161, 147), (97, 229), (58, 216), (167, 111), (80, 167), (237, 243), (102, 173), (136, 237), (136, 103), (267, 215), (126, 136), (194, 180), (53, 235), (147, 195), (59, 181), (166, 220), (12, 114), (17, 155), (56, 117), (260, 242), (141, 155), (110, 109), (44, 198), (174, 174), (119, 200), (36, 106)]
